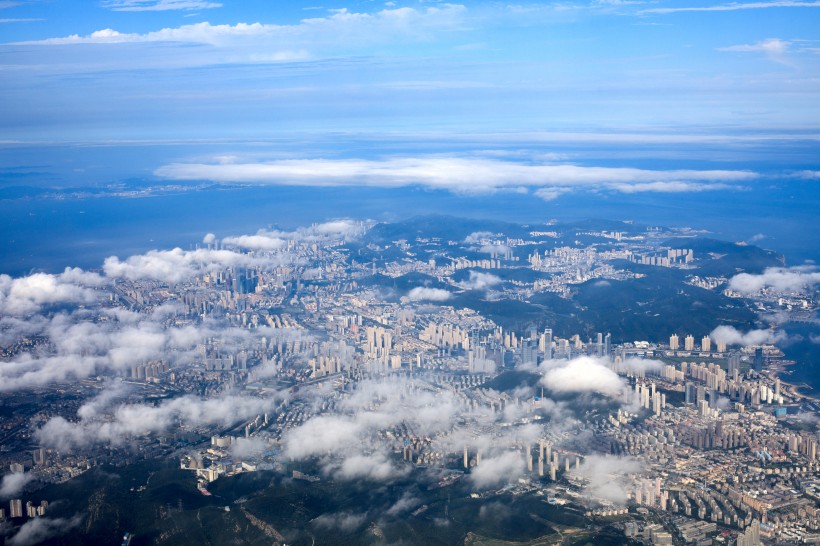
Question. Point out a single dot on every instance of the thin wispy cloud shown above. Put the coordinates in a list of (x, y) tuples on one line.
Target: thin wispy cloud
[(457, 174), (159, 5), (339, 28), (736, 6), (774, 49)]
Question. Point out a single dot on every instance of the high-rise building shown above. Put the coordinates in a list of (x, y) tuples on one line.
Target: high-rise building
[(16, 508), (39, 456), (607, 345), (529, 353), (689, 343), (758, 362), (734, 364), (599, 345), (706, 344), (721, 346), (548, 344), (673, 342)]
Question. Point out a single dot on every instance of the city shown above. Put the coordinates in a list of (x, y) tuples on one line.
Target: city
[(356, 351)]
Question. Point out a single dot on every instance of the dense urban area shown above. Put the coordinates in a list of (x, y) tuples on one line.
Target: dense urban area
[(632, 377)]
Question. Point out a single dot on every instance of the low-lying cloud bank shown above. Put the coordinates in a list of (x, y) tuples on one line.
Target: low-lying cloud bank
[(133, 420), (780, 279), (732, 336), (468, 175)]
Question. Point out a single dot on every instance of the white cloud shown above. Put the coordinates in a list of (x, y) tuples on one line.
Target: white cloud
[(344, 521), (421, 293), (260, 241), (177, 265), (321, 435), (374, 466), (209, 239), (340, 28), (345, 229), (478, 236), (253, 446), (26, 295), (779, 279), (20, 20), (456, 174), (582, 374), (131, 420), (498, 469), (737, 6), (480, 281), (773, 48), (550, 194), (347, 444), (38, 530), (159, 5), (732, 336), (13, 484), (605, 476)]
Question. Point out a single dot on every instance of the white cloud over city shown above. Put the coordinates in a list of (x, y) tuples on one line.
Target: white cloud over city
[(465, 175), (780, 279)]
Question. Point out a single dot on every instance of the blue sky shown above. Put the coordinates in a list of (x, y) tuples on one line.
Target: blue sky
[(129, 69)]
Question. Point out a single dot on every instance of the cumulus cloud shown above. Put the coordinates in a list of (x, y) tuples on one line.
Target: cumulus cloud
[(456, 174), (374, 466), (14, 483), (421, 293), (253, 446), (131, 420), (480, 281), (343, 229), (321, 435), (606, 476), (26, 295), (478, 236), (260, 241), (85, 343), (582, 374), (346, 443), (174, 266), (732, 336), (37, 530), (780, 279), (498, 469), (209, 238)]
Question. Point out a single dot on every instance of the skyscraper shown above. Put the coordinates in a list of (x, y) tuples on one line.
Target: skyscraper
[(548, 344), (734, 364), (758, 362), (673, 342)]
